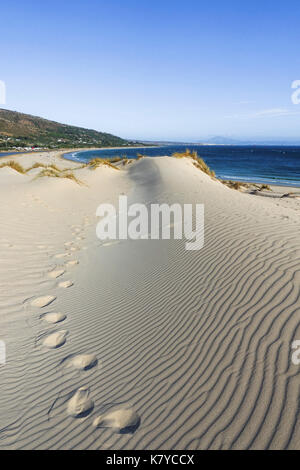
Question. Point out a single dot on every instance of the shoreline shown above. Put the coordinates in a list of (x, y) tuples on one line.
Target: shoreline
[(62, 154), (233, 178)]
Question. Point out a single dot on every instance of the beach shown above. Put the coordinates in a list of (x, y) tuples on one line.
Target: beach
[(141, 344)]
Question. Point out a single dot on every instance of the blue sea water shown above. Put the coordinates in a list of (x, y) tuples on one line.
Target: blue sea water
[(259, 164), (6, 154)]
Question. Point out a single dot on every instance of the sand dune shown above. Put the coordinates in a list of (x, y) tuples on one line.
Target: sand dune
[(154, 347)]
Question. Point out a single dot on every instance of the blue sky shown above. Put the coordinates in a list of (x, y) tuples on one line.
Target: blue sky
[(178, 70)]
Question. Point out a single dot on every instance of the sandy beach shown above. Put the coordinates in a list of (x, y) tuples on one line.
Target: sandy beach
[(140, 344)]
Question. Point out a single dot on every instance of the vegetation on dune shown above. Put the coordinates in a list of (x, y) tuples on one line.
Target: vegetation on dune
[(265, 187), (126, 161), (96, 162), (43, 165), (198, 162), (240, 185), (235, 184), (115, 159), (14, 165), (51, 173)]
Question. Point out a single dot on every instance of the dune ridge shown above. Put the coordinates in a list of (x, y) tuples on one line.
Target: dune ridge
[(178, 349)]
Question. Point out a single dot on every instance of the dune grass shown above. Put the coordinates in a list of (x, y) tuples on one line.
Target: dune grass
[(238, 185), (51, 173), (14, 165), (265, 187), (198, 162), (43, 165), (96, 162), (115, 159)]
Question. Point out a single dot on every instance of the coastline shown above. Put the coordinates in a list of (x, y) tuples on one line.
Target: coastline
[(241, 172), (63, 153)]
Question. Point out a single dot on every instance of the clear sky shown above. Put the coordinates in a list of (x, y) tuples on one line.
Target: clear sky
[(149, 69)]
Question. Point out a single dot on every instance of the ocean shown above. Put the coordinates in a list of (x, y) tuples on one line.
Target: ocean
[(259, 164)]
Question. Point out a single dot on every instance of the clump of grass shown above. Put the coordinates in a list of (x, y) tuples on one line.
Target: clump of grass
[(198, 162), (187, 154), (115, 159), (96, 162), (265, 187), (14, 165), (140, 156), (240, 185), (237, 185), (37, 165), (51, 173), (70, 175), (43, 165)]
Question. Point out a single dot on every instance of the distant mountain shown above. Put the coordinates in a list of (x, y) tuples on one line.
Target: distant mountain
[(219, 140), (24, 130)]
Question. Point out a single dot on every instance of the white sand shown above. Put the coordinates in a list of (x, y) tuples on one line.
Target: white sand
[(153, 347)]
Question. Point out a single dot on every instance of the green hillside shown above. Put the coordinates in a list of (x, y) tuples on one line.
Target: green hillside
[(23, 130)]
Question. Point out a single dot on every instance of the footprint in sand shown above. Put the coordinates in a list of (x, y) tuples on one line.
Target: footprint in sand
[(121, 420), (53, 317), (72, 262), (55, 340), (80, 405), (62, 255), (65, 284), (43, 301), (56, 273), (82, 361), (69, 243)]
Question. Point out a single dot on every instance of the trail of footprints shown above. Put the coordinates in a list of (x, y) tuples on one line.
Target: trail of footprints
[(119, 419)]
